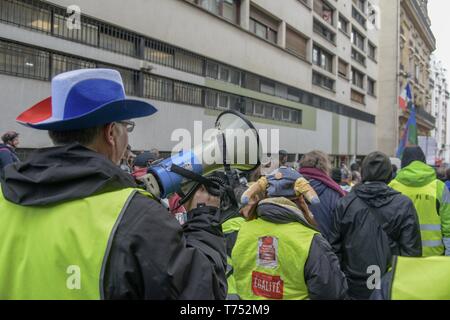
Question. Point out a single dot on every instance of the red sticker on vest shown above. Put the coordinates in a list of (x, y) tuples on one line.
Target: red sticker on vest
[(267, 286), (267, 252)]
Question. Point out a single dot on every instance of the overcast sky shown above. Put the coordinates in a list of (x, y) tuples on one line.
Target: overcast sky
[(440, 25)]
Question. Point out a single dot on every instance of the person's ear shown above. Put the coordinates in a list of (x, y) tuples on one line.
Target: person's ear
[(109, 134)]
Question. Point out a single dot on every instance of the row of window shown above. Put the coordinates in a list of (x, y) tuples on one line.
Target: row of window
[(227, 9), (22, 61), (50, 19), (36, 14), (324, 59)]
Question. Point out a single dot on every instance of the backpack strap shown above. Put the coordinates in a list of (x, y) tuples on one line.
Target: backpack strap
[(379, 219)]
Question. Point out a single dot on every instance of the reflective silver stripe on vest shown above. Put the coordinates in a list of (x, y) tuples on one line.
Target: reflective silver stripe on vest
[(432, 243), (445, 196), (430, 227)]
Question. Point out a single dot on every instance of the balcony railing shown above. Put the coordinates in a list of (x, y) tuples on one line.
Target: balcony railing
[(426, 116)]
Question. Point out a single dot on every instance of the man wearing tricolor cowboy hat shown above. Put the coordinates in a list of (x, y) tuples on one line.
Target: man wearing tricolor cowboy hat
[(74, 226)]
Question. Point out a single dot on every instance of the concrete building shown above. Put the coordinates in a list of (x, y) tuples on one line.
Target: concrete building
[(439, 108), (406, 44), (308, 68)]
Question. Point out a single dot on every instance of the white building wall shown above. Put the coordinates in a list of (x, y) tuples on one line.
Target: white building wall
[(182, 24)]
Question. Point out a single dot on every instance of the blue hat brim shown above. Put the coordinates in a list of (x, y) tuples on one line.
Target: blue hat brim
[(111, 112)]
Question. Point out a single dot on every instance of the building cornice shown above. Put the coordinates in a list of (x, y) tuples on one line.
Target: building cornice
[(421, 22)]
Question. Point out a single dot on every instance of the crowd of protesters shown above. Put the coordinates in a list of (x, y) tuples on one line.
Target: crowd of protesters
[(376, 231)]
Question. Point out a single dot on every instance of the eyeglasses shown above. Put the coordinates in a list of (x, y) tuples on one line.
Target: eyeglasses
[(129, 125)]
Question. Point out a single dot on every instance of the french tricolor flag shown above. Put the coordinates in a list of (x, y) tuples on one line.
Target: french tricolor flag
[(405, 98)]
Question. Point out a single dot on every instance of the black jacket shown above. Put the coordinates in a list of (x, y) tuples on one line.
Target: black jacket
[(7, 156), (152, 256), (360, 241)]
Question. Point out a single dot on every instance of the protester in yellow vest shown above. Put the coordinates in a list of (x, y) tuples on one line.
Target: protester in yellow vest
[(416, 279), (279, 255), (431, 199), (74, 226), (230, 230)]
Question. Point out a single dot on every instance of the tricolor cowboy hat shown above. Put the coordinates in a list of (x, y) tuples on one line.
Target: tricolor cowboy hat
[(84, 99)]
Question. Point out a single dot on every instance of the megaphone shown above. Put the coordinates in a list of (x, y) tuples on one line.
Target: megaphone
[(233, 143)]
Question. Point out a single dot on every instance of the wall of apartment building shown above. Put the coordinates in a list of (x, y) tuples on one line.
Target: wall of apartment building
[(182, 24), (330, 132), (172, 20), (334, 134), (439, 107), (411, 40), (387, 115)]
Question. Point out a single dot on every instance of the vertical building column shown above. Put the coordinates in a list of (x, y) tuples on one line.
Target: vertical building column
[(245, 14), (281, 38)]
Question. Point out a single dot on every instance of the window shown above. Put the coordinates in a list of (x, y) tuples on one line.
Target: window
[(323, 81), (223, 101), (88, 33), (259, 109), (296, 116), (322, 59), (235, 77), (324, 10), (188, 94), (268, 111), (23, 61), (293, 95), (357, 56), (235, 103), (27, 14), (296, 43), (343, 68), (357, 39), (61, 64), (223, 73), (323, 31), (188, 62), (357, 97), (158, 88), (159, 53), (371, 86), (117, 40), (358, 17), (228, 9), (278, 114), (212, 70), (417, 72), (211, 99), (263, 25), (281, 91), (372, 51), (267, 87), (343, 24), (360, 4), (252, 82), (357, 78)]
